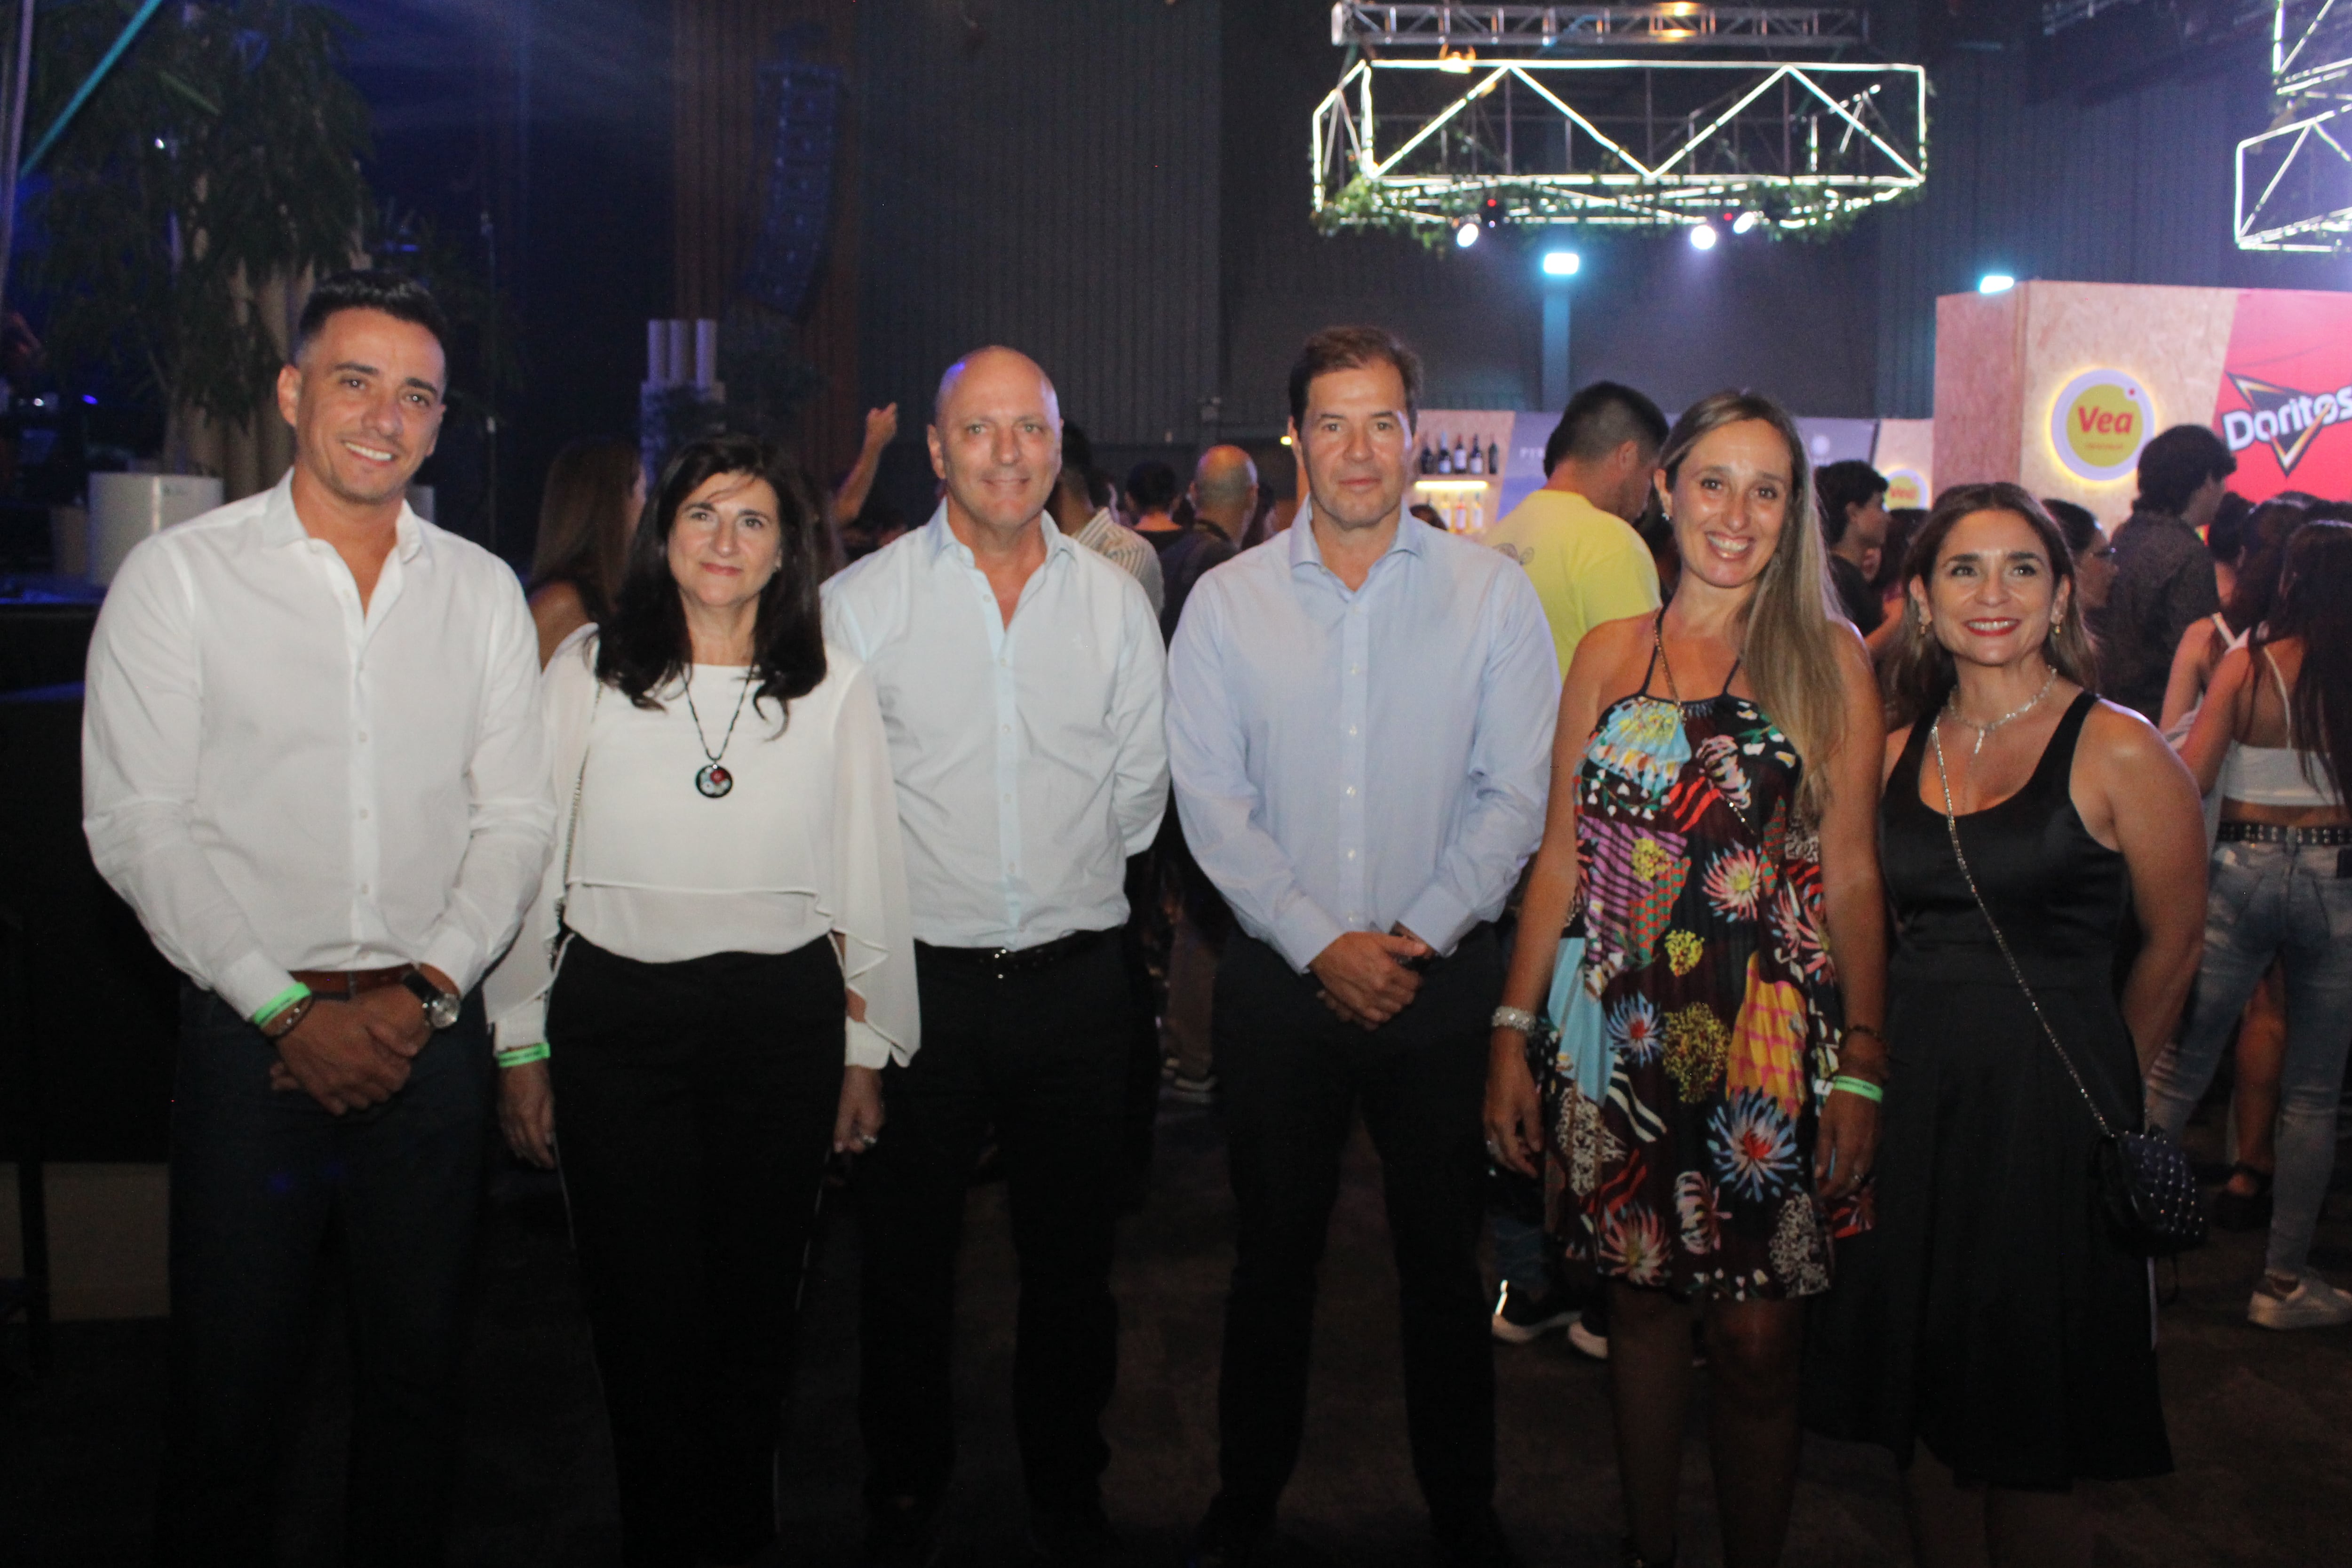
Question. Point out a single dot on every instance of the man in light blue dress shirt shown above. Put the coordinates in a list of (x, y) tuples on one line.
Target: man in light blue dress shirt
[(1021, 678), (1360, 718)]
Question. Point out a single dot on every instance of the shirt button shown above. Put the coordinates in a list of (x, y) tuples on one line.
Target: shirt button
[(1351, 789), (1351, 729), (1355, 670), (364, 736), (364, 889), (363, 813), (1351, 855)]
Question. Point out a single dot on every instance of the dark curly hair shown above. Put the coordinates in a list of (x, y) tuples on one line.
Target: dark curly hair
[(645, 646)]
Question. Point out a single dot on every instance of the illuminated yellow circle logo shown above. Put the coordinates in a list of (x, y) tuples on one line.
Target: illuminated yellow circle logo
[(1905, 488), (2099, 423)]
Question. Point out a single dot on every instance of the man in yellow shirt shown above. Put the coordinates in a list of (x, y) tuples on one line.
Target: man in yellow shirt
[(1574, 537)]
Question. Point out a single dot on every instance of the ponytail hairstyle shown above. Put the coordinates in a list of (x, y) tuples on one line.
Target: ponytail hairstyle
[(1789, 641), (645, 647), (1920, 671), (2314, 605)]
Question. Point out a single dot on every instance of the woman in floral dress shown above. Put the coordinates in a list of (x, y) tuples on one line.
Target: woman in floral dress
[(1711, 1110)]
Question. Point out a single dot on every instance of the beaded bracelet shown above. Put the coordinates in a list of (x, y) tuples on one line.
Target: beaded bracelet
[(1861, 1086), (519, 1056)]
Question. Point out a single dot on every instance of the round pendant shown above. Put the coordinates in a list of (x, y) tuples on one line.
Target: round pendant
[(713, 781)]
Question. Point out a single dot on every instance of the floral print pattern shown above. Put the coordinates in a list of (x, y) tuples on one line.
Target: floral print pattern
[(1706, 949)]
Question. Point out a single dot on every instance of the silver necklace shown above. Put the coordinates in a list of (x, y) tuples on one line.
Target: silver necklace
[(711, 779), (1952, 707)]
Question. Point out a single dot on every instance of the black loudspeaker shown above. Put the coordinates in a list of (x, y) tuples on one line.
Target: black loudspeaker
[(92, 1080), (803, 104)]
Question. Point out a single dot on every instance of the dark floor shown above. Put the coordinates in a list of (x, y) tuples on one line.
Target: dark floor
[(2262, 1423)]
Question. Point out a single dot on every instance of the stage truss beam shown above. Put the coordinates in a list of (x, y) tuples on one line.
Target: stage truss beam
[(2294, 180), (1626, 142), (1678, 24)]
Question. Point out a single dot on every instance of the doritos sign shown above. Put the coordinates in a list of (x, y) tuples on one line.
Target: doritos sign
[(2285, 402)]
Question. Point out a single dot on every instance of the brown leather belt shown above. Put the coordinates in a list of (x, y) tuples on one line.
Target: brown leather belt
[(343, 985)]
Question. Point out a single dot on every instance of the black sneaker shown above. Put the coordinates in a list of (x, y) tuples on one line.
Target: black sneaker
[(1227, 1538), (1075, 1537), (1522, 1317), (1476, 1542), (902, 1534)]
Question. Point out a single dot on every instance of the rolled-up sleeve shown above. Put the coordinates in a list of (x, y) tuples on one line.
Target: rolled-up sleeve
[(1510, 771), (511, 820), (1220, 806), (143, 716)]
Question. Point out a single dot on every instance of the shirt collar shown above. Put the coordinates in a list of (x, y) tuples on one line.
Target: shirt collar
[(1306, 549), (940, 539), (281, 525)]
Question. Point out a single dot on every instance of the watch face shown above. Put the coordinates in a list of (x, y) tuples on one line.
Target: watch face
[(442, 1011)]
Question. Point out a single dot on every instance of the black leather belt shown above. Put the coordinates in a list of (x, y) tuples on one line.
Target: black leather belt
[(1001, 962), (2332, 836)]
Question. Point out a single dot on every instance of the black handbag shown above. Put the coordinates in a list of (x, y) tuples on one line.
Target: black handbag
[(2142, 1178)]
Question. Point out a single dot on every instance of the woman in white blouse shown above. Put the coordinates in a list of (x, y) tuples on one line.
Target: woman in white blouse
[(716, 970)]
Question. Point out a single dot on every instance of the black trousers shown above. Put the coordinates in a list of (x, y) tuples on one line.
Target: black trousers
[(1294, 1077), (1043, 1058), (694, 1111), (259, 1178)]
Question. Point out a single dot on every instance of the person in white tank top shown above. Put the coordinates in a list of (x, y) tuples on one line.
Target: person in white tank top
[(2278, 716)]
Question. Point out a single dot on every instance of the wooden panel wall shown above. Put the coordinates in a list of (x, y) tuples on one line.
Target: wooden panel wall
[(718, 47)]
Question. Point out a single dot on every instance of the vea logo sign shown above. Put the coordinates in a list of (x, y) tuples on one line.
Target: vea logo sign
[(2098, 423)]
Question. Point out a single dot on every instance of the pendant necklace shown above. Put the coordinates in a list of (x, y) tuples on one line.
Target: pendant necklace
[(1952, 707), (711, 779)]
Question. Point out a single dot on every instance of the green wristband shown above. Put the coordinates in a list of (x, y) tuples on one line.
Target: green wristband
[(279, 1003), (518, 1056), (1861, 1086)]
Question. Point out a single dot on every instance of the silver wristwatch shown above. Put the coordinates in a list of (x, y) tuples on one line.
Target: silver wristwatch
[(440, 1006)]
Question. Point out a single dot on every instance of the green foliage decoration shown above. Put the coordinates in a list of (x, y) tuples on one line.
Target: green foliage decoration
[(223, 150)]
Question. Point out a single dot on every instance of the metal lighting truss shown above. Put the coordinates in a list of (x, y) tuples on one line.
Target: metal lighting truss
[(2294, 180), (1618, 115)]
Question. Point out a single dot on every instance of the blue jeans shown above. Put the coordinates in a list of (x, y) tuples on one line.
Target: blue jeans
[(258, 1177), (2267, 901)]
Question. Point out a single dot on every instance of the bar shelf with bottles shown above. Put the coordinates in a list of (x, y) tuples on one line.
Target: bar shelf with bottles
[(1458, 466)]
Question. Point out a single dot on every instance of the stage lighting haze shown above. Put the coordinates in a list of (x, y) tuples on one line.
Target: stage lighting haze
[(1560, 263)]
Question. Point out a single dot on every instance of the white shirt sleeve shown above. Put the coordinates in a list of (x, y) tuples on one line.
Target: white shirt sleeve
[(512, 817), (142, 722), (514, 994), (868, 901), (1139, 795)]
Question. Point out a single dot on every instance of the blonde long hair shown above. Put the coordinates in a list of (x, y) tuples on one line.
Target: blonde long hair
[(1789, 641)]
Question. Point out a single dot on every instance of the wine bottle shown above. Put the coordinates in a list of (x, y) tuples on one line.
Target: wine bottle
[(1477, 459), (1461, 458), (1494, 457), (1444, 455), (1427, 459)]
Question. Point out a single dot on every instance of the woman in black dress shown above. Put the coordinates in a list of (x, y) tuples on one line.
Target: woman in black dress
[(1993, 1331)]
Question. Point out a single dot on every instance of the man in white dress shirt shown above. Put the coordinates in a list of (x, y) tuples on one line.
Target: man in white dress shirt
[(312, 760), (1021, 676)]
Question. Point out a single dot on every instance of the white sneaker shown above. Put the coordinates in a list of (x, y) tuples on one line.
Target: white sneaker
[(2313, 1303)]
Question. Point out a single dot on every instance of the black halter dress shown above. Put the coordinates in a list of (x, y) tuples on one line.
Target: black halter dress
[(1992, 1315)]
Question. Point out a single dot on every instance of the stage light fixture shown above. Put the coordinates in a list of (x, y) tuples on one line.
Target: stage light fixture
[(1701, 237), (1561, 263), (1995, 284), (1466, 233), (1745, 221)]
